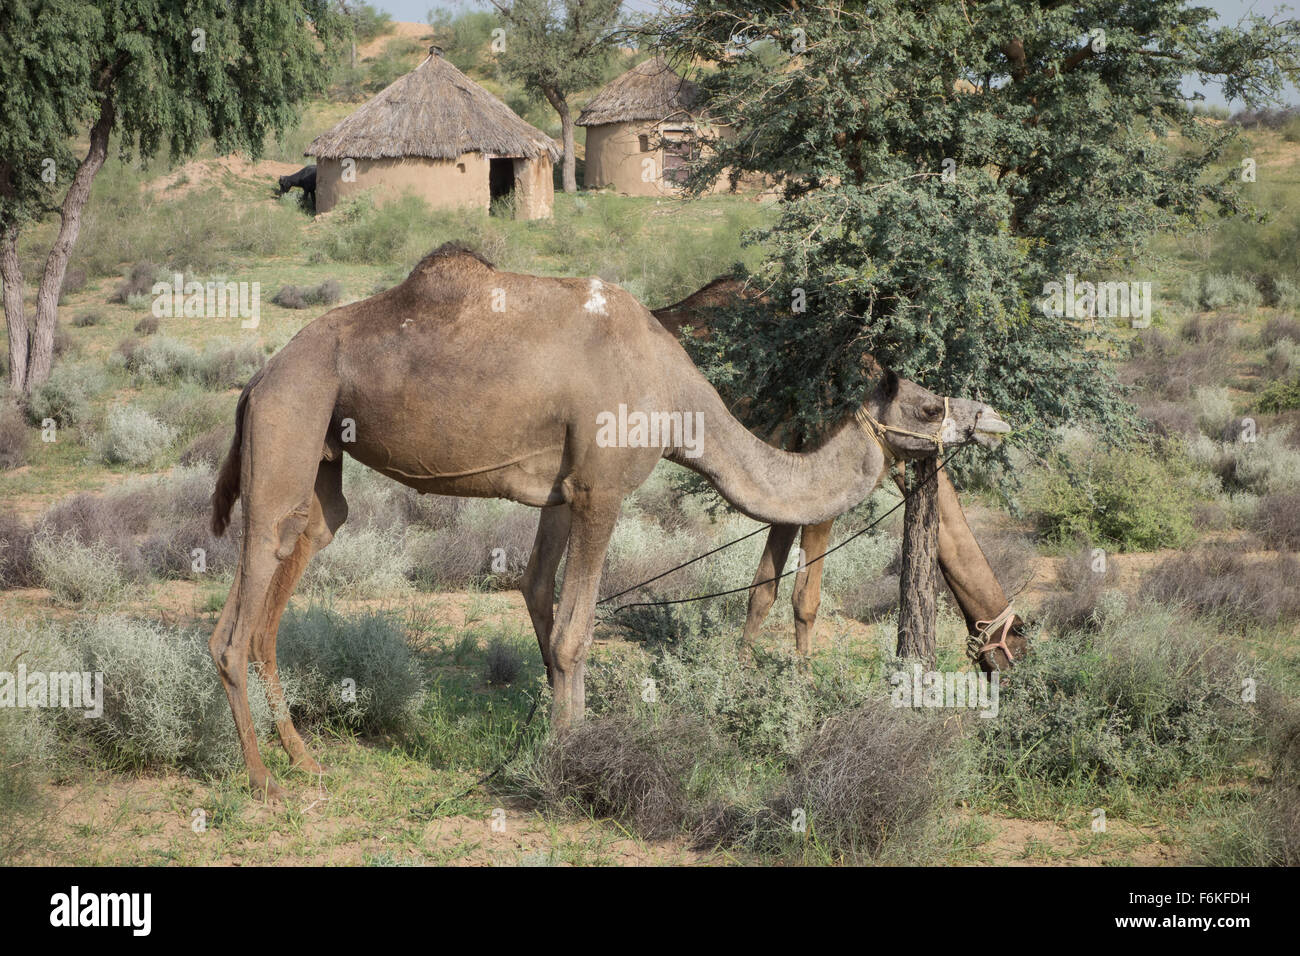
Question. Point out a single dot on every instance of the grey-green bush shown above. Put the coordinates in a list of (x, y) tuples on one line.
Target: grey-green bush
[(133, 437), (1146, 701), (322, 649)]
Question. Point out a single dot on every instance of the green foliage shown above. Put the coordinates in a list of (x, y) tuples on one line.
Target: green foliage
[(258, 64), (1280, 395), (464, 35), (369, 22), (1063, 167), (558, 45), (365, 232), (1126, 499)]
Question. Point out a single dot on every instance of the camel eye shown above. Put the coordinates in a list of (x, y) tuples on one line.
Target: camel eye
[(932, 409)]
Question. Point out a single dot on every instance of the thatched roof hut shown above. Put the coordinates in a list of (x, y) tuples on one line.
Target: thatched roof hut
[(651, 90), (642, 130), (437, 133)]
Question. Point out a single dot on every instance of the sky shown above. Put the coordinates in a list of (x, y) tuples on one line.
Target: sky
[(1229, 12)]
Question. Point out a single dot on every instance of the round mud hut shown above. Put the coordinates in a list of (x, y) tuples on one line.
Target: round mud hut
[(643, 131), (441, 136)]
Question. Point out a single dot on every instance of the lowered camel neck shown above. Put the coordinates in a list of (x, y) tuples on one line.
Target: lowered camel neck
[(776, 486), (964, 565)]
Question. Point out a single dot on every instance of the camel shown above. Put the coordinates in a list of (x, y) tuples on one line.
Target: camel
[(996, 632), (558, 393)]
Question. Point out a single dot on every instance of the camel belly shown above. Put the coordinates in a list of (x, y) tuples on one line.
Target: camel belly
[(531, 479)]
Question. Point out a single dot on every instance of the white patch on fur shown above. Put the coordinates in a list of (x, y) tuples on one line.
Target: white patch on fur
[(948, 431), (595, 303)]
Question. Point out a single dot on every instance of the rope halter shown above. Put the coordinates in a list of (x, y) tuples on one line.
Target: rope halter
[(879, 430), (982, 641)]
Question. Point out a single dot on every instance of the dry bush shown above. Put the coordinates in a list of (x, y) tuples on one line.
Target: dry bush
[(1011, 554), (624, 767), (503, 661), (210, 447), (1171, 369), (304, 297), (16, 569), (147, 326), (1277, 521), (1168, 419), (1221, 582), (462, 555), (1080, 597), (110, 521), (87, 319), (139, 281), (1209, 330), (876, 595), (14, 437), (1280, 327), (867, 777), (170, 553), (74, 280)]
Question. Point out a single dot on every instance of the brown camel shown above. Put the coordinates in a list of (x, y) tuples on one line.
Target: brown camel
[(465, 380), (996, 631)]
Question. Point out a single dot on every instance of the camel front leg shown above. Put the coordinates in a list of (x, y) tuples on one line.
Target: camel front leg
[(762, 594), (808, 583), (590, 529), (538, 583)]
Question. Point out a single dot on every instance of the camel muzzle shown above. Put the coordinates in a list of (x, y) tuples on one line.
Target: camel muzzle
[(989, 422)]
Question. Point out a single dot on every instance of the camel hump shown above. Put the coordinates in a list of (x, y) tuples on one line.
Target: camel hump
[(451, 255)]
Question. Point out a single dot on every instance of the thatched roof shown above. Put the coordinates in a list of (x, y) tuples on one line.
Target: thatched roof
[(435, 111), (649, 91)]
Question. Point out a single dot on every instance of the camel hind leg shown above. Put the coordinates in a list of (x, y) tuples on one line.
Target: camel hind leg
[(282, 449), (329, 509)]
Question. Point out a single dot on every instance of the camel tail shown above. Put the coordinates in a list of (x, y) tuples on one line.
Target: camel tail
[(227, 490)]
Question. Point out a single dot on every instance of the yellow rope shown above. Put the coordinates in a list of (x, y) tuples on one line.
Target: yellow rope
[(878, 430)]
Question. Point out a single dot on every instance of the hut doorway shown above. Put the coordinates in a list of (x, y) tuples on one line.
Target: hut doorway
[(501, 179)]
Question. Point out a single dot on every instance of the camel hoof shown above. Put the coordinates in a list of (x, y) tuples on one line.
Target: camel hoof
[(266, 789), (309, 764)]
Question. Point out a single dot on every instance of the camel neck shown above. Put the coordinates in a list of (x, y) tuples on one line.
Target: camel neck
[(777, 486)]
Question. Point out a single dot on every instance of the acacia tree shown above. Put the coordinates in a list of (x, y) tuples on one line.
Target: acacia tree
[(554, 48), (940, 163), (151, 72)]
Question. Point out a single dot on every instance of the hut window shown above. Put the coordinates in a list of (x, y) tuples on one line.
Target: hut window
[(460, 167), (644, 140)]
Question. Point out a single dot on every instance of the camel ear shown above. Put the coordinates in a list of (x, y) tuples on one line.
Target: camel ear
[(889, 386)]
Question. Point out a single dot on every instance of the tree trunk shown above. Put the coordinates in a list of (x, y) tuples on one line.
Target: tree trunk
[(11, 273), (569, 168), (918, 583), (41, 358)]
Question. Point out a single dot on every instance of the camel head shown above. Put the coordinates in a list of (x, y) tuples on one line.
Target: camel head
[(914, 421)]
